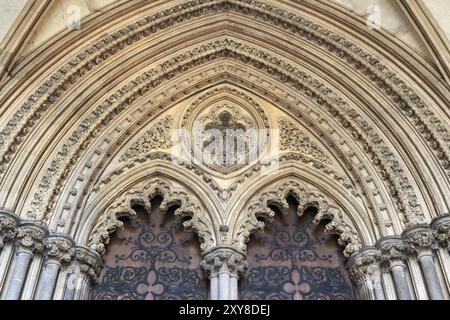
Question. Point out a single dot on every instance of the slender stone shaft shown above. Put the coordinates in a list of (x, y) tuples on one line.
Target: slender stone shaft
[(224, 286), (234, 295), (214, 287), (431, 277), (47, 281), (19, 273), (401, 283)]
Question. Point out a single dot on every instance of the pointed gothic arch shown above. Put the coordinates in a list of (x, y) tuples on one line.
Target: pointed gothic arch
[(96, 109)]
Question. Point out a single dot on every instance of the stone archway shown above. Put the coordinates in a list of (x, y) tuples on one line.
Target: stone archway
[(152, 258), (295, 259), (352, 123)]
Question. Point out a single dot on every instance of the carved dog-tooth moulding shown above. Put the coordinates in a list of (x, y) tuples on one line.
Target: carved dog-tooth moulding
[(392, 171), (306, 197), (223, 194), (189, 209), (157, 137)]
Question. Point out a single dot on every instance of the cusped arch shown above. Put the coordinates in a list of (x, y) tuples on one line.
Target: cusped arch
[(106, 206), (189, 210), (351, 232)]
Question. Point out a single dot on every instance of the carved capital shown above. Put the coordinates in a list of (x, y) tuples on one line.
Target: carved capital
[(31, 236), (89, 262), (8, 227), (418, 239), (441, 230), (363, 265), (224, 260), (392, 251), (60, 249)]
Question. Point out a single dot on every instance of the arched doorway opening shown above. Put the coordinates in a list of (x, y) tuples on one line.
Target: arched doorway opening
[(294, 259), (152, 258)]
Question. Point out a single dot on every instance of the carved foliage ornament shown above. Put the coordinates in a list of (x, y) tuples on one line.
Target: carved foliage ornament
[(374, 145), (8, 228), (47, 94), (338, 224), (31, 237), (157, 137), (189, 208), (60, 249), (293, 139), (226, 130)]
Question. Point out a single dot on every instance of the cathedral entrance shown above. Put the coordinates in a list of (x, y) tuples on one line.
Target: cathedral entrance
[(153, 258)]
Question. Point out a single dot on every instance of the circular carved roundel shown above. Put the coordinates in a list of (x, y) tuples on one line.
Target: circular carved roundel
[(224, 131)]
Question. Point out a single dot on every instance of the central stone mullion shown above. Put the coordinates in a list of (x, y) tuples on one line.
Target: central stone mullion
[(223, 266)]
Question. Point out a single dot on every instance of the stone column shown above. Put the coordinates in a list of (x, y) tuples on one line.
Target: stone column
[(392, 255), (59, 250), (365, 272), (83, 273), (419, 240), (30, 240), (223, 266)]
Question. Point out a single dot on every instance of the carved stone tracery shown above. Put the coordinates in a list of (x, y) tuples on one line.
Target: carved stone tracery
[(392, 171)]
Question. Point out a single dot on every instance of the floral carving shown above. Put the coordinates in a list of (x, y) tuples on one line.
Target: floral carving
[(363, 266), (31, 237), (418, 238), (293, 139), (157, 137), (8, 228), (60, 249), (371, 67), (392, 250), (89, 263), (224, 259), (441, 230)]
